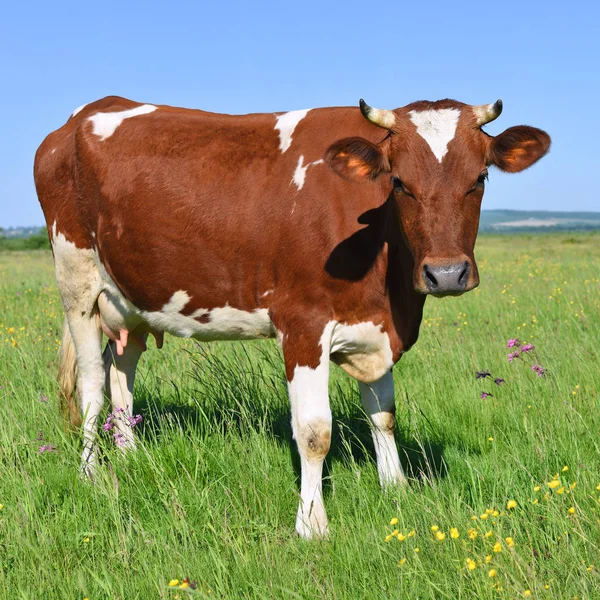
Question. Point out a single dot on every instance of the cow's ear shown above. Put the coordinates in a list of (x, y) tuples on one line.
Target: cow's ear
[(357, 159), (517, 148)]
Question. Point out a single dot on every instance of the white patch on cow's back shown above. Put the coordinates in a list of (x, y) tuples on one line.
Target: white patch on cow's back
[(53, 151), (286, 123), (106, 123), (437, 128), (362, 350), (78, 110), (300, 172)]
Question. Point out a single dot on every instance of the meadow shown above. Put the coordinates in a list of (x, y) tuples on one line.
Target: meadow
[(504, 494)]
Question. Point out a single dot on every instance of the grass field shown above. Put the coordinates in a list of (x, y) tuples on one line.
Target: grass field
[(212, 492)]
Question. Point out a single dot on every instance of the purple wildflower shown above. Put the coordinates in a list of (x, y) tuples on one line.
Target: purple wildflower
[(119, 439), (47, 448), (513, 355), (539, 370), (482, 374), (499, 381), (484, 395), (43, 398), (40, 436), (527, 347), (108, 424), (120, 410), (135, 420), (513, 342)]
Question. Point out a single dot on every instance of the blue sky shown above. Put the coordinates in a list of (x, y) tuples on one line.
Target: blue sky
[(541, 58)]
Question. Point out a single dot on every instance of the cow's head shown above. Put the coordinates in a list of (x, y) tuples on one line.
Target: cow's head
[(436, 158)]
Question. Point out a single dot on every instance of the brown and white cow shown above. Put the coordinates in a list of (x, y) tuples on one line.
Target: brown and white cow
[(324, 228)]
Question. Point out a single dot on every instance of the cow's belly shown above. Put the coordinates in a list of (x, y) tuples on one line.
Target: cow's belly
[(220, 323)]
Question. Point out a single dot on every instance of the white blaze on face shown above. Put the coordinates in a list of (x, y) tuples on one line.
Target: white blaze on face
[(437, 128), (105, 124), (300, 172), (286, 123)]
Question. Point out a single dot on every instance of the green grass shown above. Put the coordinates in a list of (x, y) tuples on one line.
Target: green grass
[(213, 490)]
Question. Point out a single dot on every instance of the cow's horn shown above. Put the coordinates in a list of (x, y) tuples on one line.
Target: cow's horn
[(484, 113), (377, 116)]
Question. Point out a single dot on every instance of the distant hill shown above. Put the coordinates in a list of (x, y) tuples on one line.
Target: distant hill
[(512, 221)]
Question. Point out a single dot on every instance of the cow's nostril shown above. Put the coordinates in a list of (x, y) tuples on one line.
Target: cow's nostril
[(429, 277), (464, 274)]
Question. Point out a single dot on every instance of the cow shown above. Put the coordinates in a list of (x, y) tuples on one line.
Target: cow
[(324, 228)]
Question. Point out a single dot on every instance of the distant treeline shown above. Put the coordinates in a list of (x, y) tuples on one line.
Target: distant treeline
[(37, 241)]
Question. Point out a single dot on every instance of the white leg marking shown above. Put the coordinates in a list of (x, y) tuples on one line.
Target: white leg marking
[(79, 284), (300, 172), (378, 402), (120, 371), (105, 124), (437, 128), (311, 424), (286, 123)]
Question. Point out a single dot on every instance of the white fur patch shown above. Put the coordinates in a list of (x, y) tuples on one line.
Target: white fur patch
[(362, 350), (286, 123), (105, 124), (78, 110), (300, 172), (437, 128)]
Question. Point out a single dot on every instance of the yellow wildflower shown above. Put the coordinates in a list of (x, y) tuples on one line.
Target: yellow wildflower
[(86, 540), (561, 490), (395, 533), (571, 510), (492, 573), (536, 488), (495, 513), (535, 501), (553, 484), (497, 547), (434, 528), (598, 487), (511, 504), (487, 534), (573, 485), (184, 585), (484, 516), (488, 558), (509, 542), (527, 593), (173, 582), (401, 562), (590, 568), (394, 521), (471, 564), (472, 533), (565, 469), (440, 536), (11, 330), (411, 533), (401, 537), (388, 538)]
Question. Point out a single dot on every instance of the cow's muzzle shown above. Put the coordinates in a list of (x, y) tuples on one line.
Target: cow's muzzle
[(443, 278)]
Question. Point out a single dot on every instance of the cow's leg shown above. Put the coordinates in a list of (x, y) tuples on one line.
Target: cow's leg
[(120, 375), (87, 339), (378, 402), (311, 426), (80, 284)]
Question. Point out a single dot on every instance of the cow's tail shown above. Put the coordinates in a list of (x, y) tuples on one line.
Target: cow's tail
[(67, 379)]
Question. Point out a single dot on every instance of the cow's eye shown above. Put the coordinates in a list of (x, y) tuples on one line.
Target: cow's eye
[(480, 183), (400, 187)]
